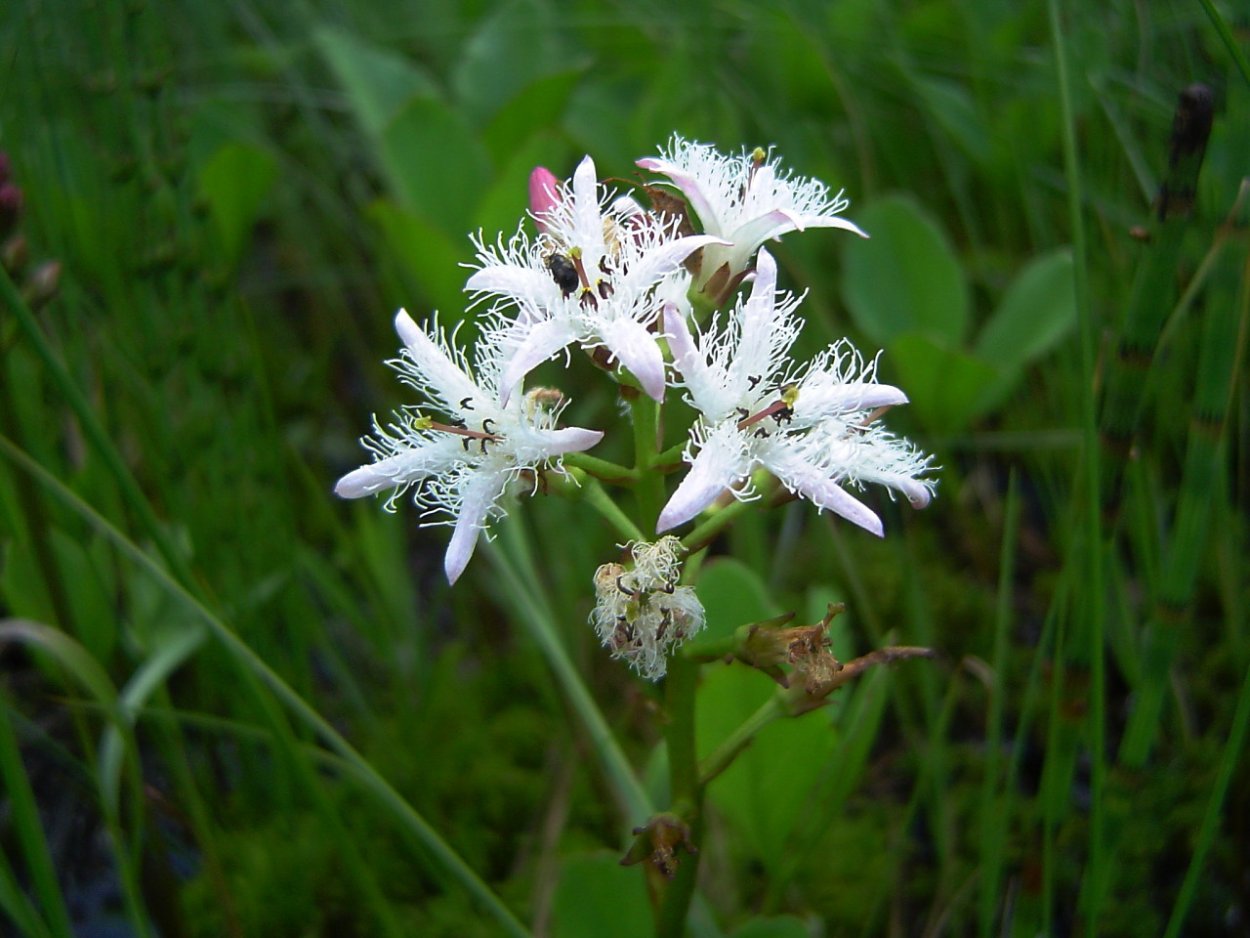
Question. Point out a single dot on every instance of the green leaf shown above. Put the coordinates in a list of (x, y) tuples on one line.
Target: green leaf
[(504, 202), (947, 387), (167, 655), (952, 108), (434, 164), (516, 45), (379, 83), (764, 792), (234, 183), (782, 926), (535, 109), (428, 256), (596, 897), (1037, 311), (905, 277), (732, 595)]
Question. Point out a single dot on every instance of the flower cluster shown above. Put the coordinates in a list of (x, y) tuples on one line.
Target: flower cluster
[(621, 280)]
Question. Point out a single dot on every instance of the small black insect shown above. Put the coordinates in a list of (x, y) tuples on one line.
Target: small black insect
[(563, 272)]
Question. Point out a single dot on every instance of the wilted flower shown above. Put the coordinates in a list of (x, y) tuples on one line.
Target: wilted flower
[(812, 427), (461, 465), (641, 613), (744, 200), (588, 279)]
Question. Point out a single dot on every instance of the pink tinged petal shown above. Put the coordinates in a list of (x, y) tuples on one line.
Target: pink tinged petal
[(721, 462), (369, 480), (688, 183), (536, 286), (587, 218), (813, 483), (412, 465), (775, 223), (827, 400), (478, 496), (662, 260), (761, 228), (544, 194), (759, 319), (685, 355), (569, 440), (829, 494), (707, 389), (541, 342), (636, 348), (918, 494), (442, 375)]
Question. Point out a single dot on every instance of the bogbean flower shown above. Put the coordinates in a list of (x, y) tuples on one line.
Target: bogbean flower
[(812, 427), (744, 200), (461, 463), (589, 279), (641, 614)]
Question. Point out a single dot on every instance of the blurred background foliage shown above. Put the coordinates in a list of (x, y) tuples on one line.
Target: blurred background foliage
[(222, 206)]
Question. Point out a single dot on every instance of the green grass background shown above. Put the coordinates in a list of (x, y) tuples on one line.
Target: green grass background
[(236, 705)]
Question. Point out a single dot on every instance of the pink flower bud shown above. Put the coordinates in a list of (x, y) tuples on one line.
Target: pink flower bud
[(10, 207), (544, 194)]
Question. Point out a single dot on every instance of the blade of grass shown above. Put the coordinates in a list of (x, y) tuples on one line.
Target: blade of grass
[(1231, 756), (440, 853), (78, 664), (1088, 521), (1154, 287), (993, 801), (24, 814), (523, 586), (1223, 342)]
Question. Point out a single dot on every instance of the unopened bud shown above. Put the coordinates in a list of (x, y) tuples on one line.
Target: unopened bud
[(11, 200), (14, 254), (42, 285), (544, 194)]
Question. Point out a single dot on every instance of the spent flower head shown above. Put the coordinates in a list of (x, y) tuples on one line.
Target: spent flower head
[(641, 613), (461, 463), (744, 199), (813, 427), (588, 279)]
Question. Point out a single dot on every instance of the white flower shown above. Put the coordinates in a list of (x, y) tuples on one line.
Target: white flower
[(641, 614), (813, 427), (744, 200), (588, 279), (461, 465)]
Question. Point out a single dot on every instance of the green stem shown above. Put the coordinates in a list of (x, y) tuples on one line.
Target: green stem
[(601, 468), (671, 456), (707, 531), (611, 512), (724, 754), (686, 792), (650, 489)]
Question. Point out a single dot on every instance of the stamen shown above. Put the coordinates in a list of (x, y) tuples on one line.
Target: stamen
[(458, 429), (588, 295), (781, 407)]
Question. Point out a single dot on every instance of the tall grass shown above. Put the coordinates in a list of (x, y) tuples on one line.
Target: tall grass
[(235, 705)]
